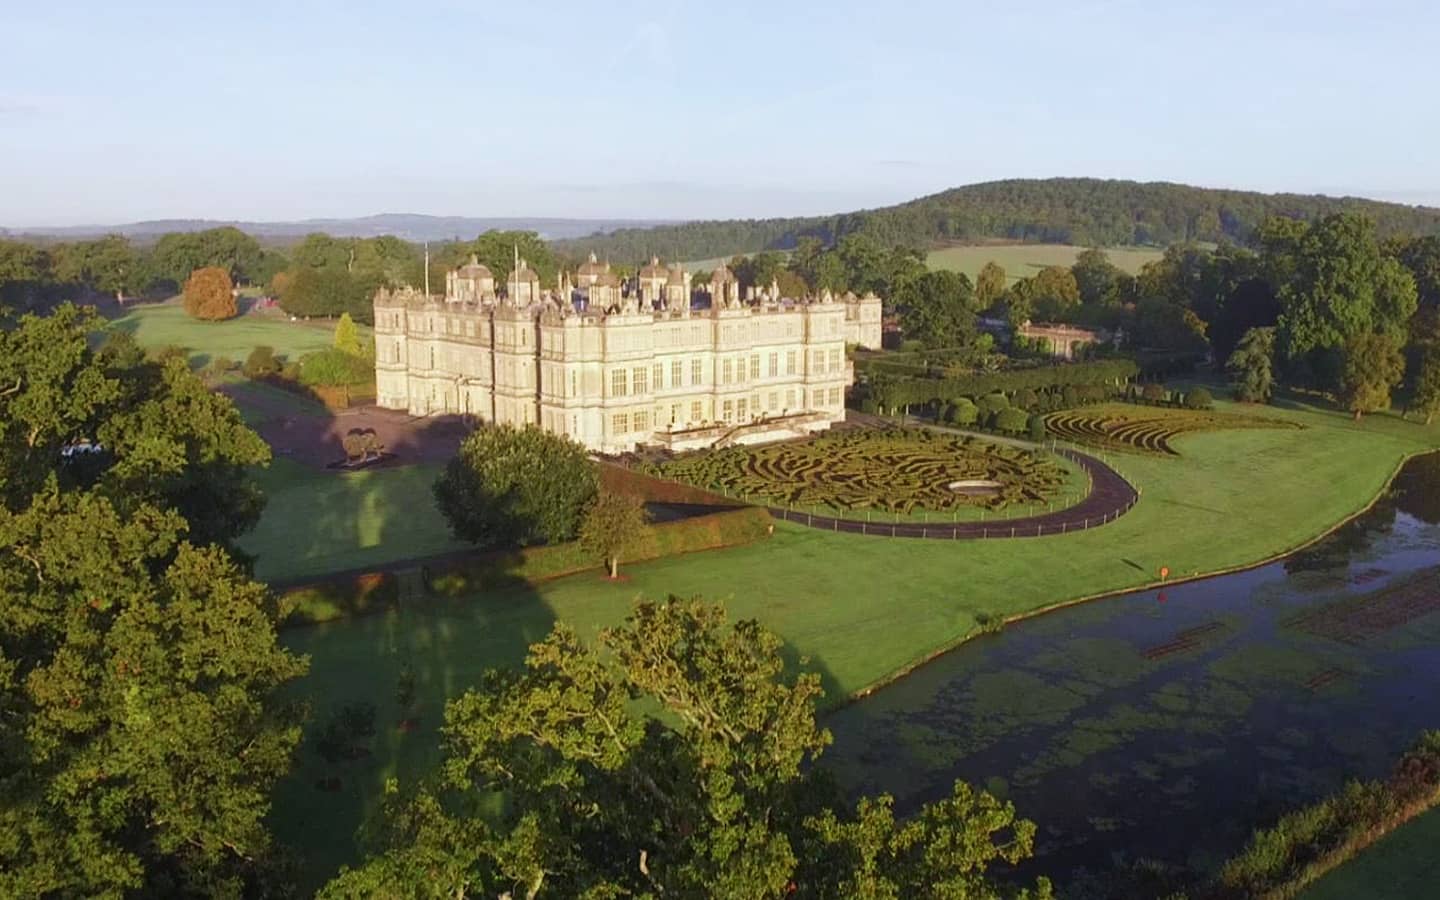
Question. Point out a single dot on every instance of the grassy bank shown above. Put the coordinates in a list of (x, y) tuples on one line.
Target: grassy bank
[(1402, 865), (1281, 862), (1023, 260)]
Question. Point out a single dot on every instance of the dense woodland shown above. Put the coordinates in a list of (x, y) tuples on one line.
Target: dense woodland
[(1080, 211)]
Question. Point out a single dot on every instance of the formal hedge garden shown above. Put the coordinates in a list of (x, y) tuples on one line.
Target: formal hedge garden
[(893, 471), (885, 391), (1144, 429)]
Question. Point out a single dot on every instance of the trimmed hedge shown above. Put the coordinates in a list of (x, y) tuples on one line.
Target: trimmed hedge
[(1199, 398), (333, 367), (1011, 420), (535, 564), (625, 480), (339, 598), (893, 391)]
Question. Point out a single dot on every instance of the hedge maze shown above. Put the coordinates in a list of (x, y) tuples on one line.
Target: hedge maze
[(1144, 429), (895, 471)]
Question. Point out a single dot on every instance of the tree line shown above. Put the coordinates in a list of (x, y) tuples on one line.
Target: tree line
[(1078, 211), (35, 275)]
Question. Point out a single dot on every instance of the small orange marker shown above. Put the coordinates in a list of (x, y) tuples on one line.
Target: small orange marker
[(1164, 572)]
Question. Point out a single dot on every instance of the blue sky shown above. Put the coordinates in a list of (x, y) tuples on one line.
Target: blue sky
[(112, 112)]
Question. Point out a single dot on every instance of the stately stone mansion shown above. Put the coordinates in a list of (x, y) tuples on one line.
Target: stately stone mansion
[(614, 364)]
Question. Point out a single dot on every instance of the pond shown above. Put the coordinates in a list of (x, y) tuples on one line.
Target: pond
[(1168, 724)]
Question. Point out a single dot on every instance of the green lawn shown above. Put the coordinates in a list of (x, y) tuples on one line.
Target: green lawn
[(859, 608), (1233, 498), (317, 522), (260, 402), (1024, 260), (1403, 865), (167, 324)]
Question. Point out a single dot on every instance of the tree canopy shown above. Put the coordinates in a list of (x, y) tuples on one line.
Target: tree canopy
[(209, 294), (938, 308), (177, 254), (1252, 365), (613, 524), (717, 796), (1373, 365), (1335, 283), (513, 486), (140, 675)]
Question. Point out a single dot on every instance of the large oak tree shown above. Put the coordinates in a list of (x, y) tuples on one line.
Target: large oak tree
[(142, 727), (675, 758)]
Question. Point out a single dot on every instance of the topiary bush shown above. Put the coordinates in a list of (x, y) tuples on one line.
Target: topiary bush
[(1027, 399), (1036, 428), (1011, 421), (964, 413), (221, 366), (261, 362), (993, 403), (1153, 393), (334, 367), (1199, 398), (1091, 393)]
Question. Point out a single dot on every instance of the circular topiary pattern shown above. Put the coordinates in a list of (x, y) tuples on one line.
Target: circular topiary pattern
[(896, 471), (1144, 430)]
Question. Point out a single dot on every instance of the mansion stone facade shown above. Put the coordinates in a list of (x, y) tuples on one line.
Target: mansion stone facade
[(654, 360)]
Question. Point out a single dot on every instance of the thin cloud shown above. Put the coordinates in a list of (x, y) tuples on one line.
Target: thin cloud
[(19, 109)]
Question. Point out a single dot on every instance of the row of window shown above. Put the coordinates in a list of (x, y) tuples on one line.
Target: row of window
[(737, 410), (638, 380)]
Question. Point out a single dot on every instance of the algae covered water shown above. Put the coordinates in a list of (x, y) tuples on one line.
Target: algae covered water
[(1167, 724)]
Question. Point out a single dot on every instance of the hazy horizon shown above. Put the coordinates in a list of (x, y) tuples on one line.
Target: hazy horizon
[(162, 110)]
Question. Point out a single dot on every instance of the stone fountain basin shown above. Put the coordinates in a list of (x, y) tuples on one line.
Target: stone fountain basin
[(975, 487)]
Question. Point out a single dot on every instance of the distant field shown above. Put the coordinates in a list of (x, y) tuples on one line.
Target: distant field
[(167, 324), (709, 265), (1023, 260)]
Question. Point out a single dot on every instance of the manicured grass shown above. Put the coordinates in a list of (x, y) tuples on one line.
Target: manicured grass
[(317, 521), (1023, 260), (167, 324), (1235, 497), (1144, 429), (1403, 865), (260, 402), (859, 608)]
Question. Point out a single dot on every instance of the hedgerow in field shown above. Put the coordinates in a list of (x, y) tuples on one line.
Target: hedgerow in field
[(892, 471), (1145, 429)]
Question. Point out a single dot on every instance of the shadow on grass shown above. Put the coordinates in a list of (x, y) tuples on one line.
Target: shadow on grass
[(399, 668)]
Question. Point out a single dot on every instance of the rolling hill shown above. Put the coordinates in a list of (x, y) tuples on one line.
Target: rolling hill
[(408, 226), (1076, 211)]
